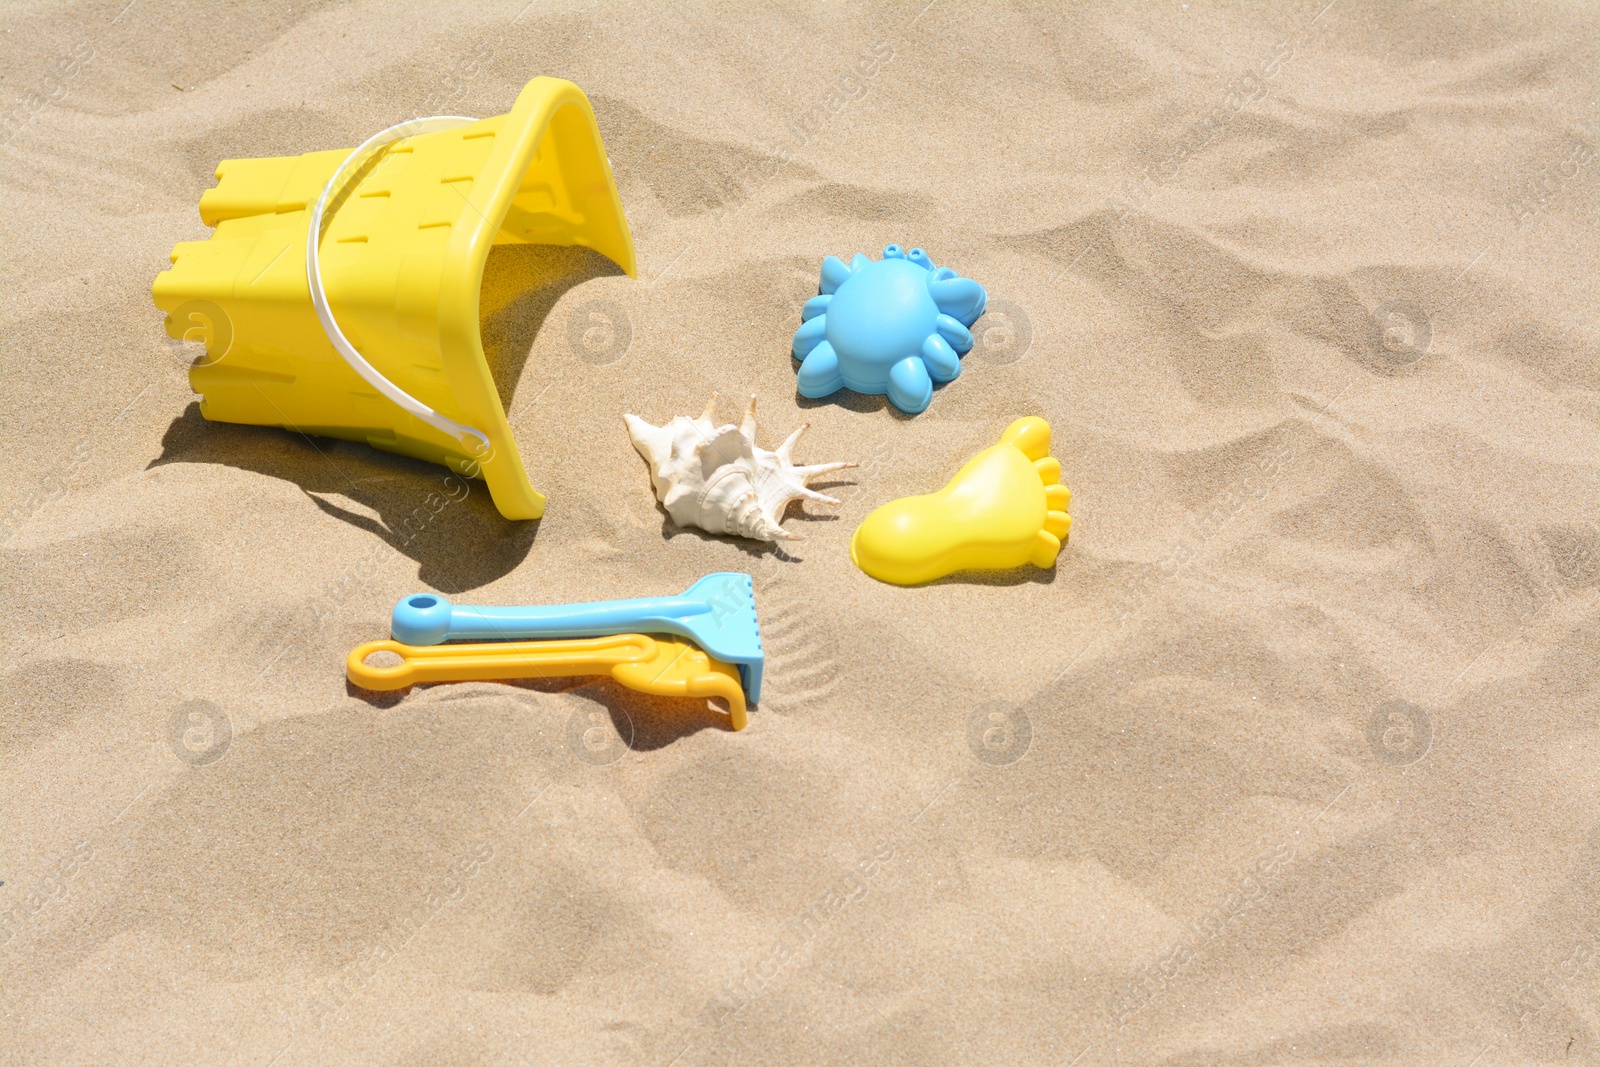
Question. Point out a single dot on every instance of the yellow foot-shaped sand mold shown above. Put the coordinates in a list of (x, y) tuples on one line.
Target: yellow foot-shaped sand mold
[(1006, 507)]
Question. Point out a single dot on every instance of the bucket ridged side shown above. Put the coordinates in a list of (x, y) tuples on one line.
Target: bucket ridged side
[(403, 253)]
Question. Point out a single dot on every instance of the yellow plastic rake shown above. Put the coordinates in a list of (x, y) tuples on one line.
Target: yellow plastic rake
[(664, 666)]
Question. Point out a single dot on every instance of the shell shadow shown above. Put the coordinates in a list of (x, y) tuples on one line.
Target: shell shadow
[(753, 549)]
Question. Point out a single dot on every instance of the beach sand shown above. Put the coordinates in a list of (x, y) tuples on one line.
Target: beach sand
[(1290, 759)]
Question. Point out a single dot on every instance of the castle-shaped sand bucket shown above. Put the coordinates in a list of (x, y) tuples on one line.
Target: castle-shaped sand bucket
[(370, 333)]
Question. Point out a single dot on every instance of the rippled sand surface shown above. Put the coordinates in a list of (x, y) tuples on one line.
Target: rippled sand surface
[(1290, 760)]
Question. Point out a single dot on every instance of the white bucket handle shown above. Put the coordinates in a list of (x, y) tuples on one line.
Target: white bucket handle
[(480, 445)]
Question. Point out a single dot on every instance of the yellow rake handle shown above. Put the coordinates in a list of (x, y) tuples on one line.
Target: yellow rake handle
[(663, 666)]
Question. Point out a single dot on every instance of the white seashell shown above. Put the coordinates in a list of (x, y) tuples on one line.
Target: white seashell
[(715, 477)]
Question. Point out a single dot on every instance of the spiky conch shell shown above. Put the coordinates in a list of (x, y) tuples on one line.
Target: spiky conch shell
[(718, 479)]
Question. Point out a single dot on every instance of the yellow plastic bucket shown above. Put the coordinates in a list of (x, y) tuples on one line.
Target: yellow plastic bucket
[(407, 220)]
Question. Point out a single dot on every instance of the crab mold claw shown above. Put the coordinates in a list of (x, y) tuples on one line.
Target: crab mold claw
[(809, 335), (960, 298), (834, 274), (910, 387), (894, 327), (718, 479), (955, 333), (819, 372), (941, 361)]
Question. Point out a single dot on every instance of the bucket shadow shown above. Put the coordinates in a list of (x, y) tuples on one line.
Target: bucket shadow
[(447, 523), (521, 284)]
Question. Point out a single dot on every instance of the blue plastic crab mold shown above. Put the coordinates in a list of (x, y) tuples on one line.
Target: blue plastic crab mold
[(894, 326)]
